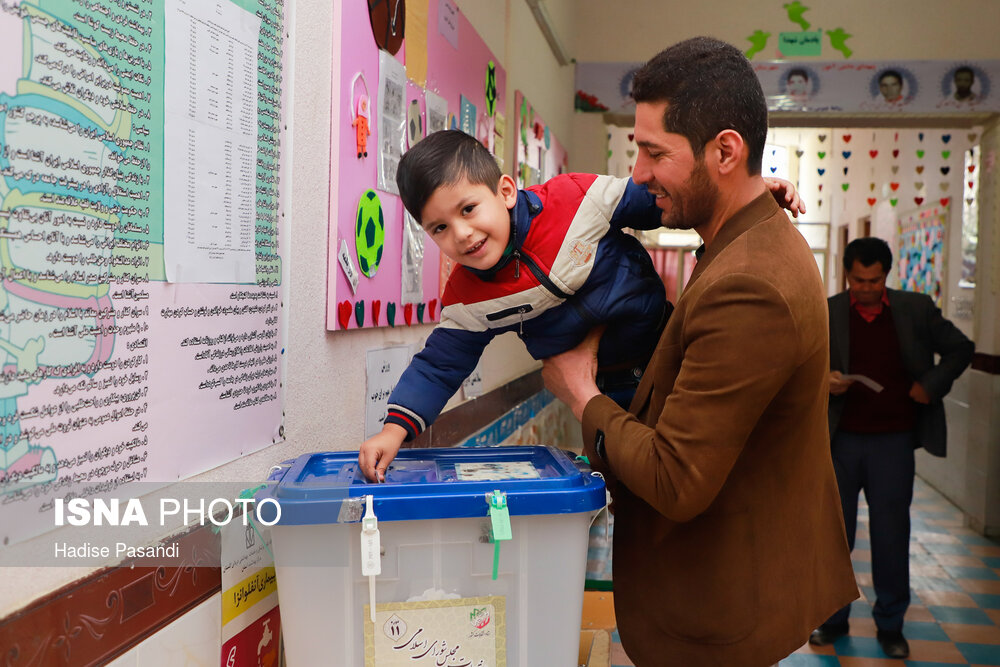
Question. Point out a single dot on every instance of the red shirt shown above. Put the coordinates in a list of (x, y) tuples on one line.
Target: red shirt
[(870, 312)]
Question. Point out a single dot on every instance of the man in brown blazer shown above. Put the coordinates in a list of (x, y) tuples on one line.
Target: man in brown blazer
[(729, 545)]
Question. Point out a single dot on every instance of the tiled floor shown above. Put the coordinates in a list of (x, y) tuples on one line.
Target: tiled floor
[(954, 616)]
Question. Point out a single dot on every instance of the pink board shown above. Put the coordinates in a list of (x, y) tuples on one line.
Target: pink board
[(451, 73), (539, 155)]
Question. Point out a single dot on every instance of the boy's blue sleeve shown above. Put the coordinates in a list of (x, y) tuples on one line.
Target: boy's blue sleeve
[(637, 209), (433, 377)]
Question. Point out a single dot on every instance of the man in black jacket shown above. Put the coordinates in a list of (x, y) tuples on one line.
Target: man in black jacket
[(889, 337)]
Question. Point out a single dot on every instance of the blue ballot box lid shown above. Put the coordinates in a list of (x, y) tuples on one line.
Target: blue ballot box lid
[(447, 483)]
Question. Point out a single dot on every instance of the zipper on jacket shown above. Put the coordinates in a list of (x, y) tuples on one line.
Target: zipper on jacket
[(507, 312), (545, 281)]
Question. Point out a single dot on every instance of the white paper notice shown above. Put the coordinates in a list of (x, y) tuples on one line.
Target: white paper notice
[(347, 264), (448, 21), (391, 120), (437, 112), (384, 367), (865, 380), (472, 386), (210, 142)]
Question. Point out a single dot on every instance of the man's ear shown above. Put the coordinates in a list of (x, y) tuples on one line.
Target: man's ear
[(731, 150), (507, 189)]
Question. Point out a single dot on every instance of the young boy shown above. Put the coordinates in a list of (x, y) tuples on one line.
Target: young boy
[(550, 263)]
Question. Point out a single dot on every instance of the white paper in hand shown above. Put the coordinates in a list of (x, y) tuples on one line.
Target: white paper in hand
[(865, 380)]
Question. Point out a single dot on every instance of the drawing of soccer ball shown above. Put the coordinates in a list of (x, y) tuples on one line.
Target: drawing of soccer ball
[(369, 233)]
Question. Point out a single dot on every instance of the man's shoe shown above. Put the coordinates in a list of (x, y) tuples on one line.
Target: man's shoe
[(893, 643), (827, 634)]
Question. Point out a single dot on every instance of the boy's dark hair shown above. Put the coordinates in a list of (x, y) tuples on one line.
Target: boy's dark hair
[(709, 86), (868, 250), (442, 158)]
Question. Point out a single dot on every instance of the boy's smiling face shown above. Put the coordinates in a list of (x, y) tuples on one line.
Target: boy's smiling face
[(470, 223)]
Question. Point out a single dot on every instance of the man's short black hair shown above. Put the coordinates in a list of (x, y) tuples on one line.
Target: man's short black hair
[(797, 72), (868, 250), (443, 158), (709, 86), (964, 69), (890, 72)]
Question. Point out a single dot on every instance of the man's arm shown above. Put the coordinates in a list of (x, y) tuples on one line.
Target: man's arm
[(952, 345), (740, 349)]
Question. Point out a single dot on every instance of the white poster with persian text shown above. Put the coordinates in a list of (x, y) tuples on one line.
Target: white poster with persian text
[(111, 375), (210, 141)]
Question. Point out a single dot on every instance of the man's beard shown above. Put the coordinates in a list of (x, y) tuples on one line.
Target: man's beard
[(695, 205)]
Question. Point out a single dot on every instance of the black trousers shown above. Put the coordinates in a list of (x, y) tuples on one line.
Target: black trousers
[(881, 465)]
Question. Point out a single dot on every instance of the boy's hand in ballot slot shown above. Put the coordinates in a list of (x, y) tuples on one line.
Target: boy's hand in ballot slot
[(378, 451)]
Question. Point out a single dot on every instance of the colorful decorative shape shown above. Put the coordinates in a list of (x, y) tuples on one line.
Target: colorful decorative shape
[(408, 313), (376, 311), (390, 313), (344, 314), (359, 313), (369, 233), (420, 313)]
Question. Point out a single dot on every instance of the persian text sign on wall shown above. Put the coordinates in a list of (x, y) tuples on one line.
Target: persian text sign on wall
[(917, 86)]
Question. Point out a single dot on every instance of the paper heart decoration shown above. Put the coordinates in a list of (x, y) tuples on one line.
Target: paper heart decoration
[(895, 168), (821, 154), (774, 169), (871, 201), (821, 171), (774, 151), (895, 152), (971, 168), (971, 183), (894, 186), (920, 168), (390, 313), (420, 312), (946, 154), (799, 153), (847, 138), (359, 313), (945, 138), (376, 310), (893, 202), (971, 137), (408, 313), (945, 170), (819, 202), (631, 153), (610, 153), (845, 186), (431, 307), (871, 186), (873, 154), (919, 200), (919, 185), (845, 171), (969, 200), (822, 138), (820, 186), (846, 154), (631, 137), (944, 200), (895, 137), (944, 186), (344, 314), (920, 153), (920, 136)]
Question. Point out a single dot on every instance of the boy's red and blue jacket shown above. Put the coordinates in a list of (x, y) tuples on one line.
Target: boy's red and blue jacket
[(571, 268)]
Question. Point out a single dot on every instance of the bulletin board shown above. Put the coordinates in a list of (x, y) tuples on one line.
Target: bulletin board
[(141, 321), (921, 251), (446, 62), (539, 154)]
